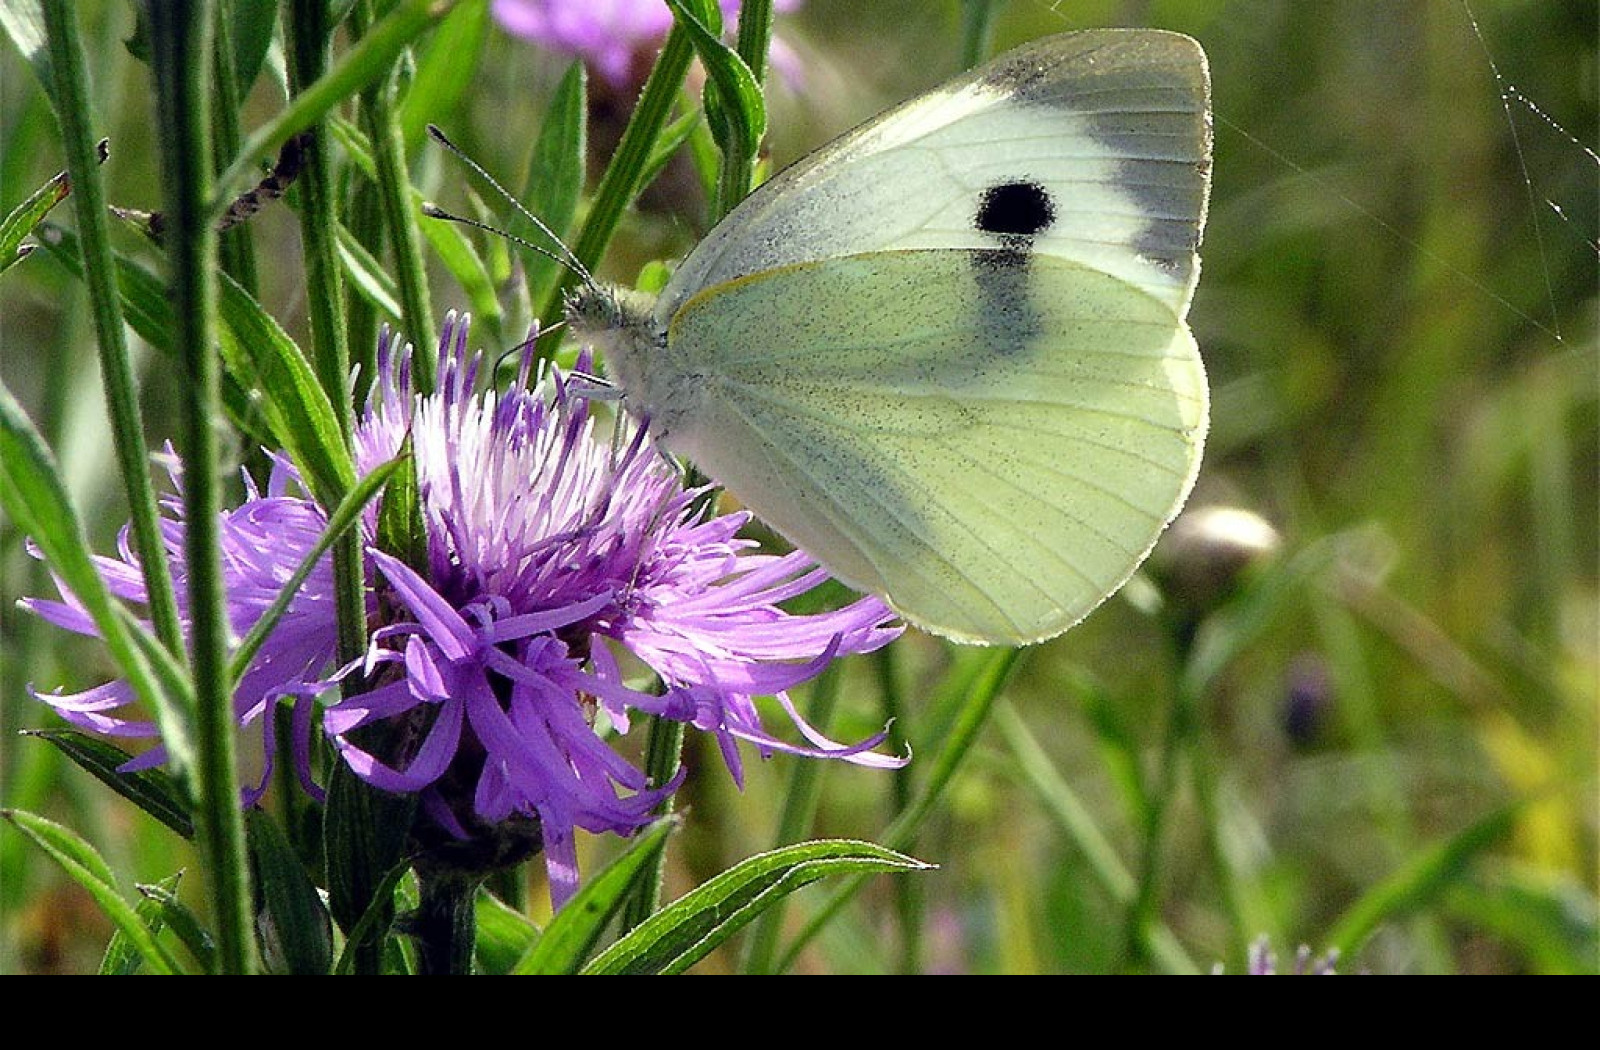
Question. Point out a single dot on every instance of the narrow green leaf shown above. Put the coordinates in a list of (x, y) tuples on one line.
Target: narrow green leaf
[(667, 144), (88, 869), (121, 959), (455, 250), (504, 935), (368, 276), (27, 215), (401, 531), (294, 928), (445, 70), (555, 177), (296, 407), (577, 927), (685, 931), (344, 517), (736, 109), (32, 494), (373, 925), (183, 922), (253, 22), (1426, 874), (152, 790)]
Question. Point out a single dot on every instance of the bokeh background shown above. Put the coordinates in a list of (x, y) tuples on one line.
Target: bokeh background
[(1397, 310)]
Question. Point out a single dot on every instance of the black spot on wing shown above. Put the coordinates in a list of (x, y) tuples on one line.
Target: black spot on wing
[(1015, 209), (1012, 213)]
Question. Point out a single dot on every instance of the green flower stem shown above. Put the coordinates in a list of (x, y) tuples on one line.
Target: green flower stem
[(308, 33), (238, 246), (180, 37), (755, 38), (795, 821), (1177, 743), (908, 893), (620, 183), (122, 398), (662, 756), (987, 682), (394, 191), (444, 925)]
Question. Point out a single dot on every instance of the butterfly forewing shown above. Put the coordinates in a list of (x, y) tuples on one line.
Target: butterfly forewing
[(1113, 126)]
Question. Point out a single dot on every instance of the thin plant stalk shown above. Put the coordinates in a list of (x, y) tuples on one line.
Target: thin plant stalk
[(308, 33), (180, 36), (394, 193), (122, 397)]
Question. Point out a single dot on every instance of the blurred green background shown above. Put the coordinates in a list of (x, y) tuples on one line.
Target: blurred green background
[(1400, 330)]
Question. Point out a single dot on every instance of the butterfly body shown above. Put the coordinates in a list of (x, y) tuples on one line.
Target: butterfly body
[(946, 353)]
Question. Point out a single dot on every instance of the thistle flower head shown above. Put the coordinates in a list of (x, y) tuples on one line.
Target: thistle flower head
[(554, 558)]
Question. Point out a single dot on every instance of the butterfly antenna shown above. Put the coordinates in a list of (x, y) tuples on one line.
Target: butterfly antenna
[(433, 211), (567, 258)]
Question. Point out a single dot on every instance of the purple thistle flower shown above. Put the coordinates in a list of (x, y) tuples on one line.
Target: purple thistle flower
[(550, 554), (608, 35)]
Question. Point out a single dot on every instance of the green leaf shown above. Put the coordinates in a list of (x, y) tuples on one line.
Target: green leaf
[(401, 531), (667, 144), (369, 277), (23, 21), (455, 250), (32, 494), (294, 928), (504, 935), (121, 959), (577, 927), (183, 922), (736, 109), (555, 177), (364, 836), (1426, 874), (88, 869), (373, 925), (344, 517), (27, 215), (444, 72), (302, 419), (253, 22), (685, 931), (152, 790)]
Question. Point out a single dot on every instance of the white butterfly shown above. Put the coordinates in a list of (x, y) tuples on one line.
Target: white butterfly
[(946, 354)]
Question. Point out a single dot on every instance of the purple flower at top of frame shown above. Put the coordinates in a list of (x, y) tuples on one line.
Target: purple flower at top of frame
[(607, 34), (554, 559)]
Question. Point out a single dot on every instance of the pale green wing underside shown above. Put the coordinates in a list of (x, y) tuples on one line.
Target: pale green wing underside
[(991, 442), (1115, 124)]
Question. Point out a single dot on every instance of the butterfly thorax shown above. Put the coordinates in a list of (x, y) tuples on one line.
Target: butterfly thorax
[(622, 324)]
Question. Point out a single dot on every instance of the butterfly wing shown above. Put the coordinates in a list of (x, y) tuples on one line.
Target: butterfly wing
[(990, 442), (946, 354), (1113, 125)]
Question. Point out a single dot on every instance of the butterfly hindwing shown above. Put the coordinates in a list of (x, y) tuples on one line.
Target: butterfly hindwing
[(991, 444)]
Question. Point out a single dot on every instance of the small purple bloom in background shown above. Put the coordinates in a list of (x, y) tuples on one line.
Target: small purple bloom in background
[(552, 557), (1263, 961), (609, 35)]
